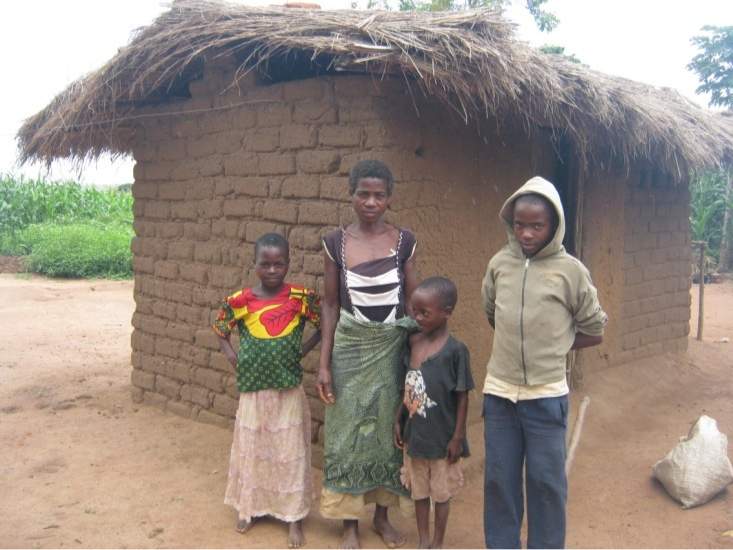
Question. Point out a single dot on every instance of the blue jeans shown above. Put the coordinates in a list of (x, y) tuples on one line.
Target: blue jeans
[(531, 432)]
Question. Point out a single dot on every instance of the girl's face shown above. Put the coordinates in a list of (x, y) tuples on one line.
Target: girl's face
[(271, 266), (370, 199)]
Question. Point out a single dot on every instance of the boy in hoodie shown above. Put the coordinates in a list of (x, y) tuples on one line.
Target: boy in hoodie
[(541, 303)]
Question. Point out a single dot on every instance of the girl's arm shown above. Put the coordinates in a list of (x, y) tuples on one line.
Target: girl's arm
[(330, 304), (455, 445), (225, 345), (311, 343)]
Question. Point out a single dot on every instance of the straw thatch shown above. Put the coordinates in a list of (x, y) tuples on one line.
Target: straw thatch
[(468, 60)]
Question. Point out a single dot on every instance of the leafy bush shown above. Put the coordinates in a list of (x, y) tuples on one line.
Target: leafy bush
[(66, 229), (707, 209)]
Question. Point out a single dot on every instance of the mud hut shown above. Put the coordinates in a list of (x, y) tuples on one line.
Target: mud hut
[(244, 120)]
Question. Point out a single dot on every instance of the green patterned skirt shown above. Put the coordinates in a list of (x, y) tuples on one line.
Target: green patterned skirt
[(359, 452)]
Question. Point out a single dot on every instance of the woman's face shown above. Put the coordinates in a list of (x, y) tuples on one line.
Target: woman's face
[(370, 199)]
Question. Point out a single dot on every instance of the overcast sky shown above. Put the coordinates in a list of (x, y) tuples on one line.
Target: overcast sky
[(46, 44)]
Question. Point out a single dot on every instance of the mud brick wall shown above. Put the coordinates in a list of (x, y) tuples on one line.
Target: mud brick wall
[(655, 312)]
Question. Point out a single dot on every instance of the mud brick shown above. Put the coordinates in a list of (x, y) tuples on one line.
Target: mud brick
[(143, 264), (272, 164), (201, 146), (208, 417), (300, 187), (308, 281), (142, 379), (142, 342), (318, 162), (225, 405), (320, 112), (319, 213), (157, 209), (180, 250), (241, 164), (210, 208), (169, 230), (181, 333), (158, 170), (262, 140), (312, 88), (144, 190), (209, 378), (166, 347), (137, 394), (238, 208), (340, 136), (313, 264), (252, 186), (179, 408), (274, 114), (200, 189), (280, 211), (254, 230), (307, 238), (155, 399), (336, 188), (166, 270), (225, 277), (230, 383), (197, 355), (196, 394), (218, 361), (168, 387), (196, 273), (153, 325), (207, 297), (165, 309), (190, 314), (298, 136), (208, 253), (243, 118), (183, 211), (207, 338), (231, 229), (229, 142)]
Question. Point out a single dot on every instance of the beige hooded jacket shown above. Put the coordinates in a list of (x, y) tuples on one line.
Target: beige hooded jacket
[(537, 304)]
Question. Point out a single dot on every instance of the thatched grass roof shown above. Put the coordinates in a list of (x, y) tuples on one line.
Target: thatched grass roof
[(468, 60)]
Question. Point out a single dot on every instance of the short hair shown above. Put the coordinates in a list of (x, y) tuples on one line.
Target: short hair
[(370, 169), (541, 200), (443, 288), (274, 240)]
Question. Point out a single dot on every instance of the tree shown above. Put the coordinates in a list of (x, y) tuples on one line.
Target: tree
[(714, 64), (714, 68)]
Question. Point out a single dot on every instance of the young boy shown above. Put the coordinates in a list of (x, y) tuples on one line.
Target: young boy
[(541, 303), (437, 381)]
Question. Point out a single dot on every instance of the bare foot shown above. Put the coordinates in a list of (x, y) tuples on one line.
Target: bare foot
[(392, 537), (423, 544), (350, 539), (243, 525), (296, 538)]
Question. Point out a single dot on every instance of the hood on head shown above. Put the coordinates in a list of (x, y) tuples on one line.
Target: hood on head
[(539, 186)]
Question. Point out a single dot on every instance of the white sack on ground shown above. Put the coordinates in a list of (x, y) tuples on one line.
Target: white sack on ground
[(698, 468)]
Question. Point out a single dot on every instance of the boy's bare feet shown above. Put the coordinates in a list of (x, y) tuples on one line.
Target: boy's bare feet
[(243, 525), (350, 539), (392, 537), (296, 538)]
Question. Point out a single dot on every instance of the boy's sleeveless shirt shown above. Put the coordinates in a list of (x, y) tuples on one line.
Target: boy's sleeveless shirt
[(270, 335)]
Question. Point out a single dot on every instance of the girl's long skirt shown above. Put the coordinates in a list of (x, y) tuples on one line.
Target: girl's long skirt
[(270, 464)]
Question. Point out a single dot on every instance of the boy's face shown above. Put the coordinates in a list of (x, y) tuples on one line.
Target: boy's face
[(532, 225), (428, 310), (370, 199), (271, 266)]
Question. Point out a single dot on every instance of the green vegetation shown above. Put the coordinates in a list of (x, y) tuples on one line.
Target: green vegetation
[(707, 210), (65, 229)]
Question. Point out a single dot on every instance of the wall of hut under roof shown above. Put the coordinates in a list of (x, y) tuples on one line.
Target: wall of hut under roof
[(208, 184)]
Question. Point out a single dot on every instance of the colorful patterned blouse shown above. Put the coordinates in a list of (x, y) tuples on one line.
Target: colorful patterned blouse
[(270, 334)]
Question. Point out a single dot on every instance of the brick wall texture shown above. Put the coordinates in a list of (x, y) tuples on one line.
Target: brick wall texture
[(276, 158)]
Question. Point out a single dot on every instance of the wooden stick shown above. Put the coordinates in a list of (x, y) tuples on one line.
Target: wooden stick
[(701, 298), (575, 437)]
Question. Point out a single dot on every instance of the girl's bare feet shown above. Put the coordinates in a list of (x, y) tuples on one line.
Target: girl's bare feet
[(392, 537), (244, 525), (296, 538), (350, 539)]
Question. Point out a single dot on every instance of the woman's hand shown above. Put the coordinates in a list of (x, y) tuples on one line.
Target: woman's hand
[(325, 387), (455, 449)]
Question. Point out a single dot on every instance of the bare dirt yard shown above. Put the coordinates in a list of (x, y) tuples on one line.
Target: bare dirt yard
[(84, 466)]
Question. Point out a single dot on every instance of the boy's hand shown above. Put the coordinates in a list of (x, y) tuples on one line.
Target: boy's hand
[(455, 449), (397, 433)]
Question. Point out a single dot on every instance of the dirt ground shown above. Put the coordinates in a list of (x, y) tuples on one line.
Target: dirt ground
[(83, 466)]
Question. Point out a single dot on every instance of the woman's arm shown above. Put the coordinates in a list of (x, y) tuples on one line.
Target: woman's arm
[(330, 304), (311, 343), (411, 281)]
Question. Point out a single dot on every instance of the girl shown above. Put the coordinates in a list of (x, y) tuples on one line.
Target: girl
[(369, 276), (269, 468)]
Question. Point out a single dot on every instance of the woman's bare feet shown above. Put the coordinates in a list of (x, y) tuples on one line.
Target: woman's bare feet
[(244, 525), (350, 539), (296, 538), (392, 537)]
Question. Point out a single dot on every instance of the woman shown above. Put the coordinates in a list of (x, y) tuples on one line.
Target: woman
[(369, 276)]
